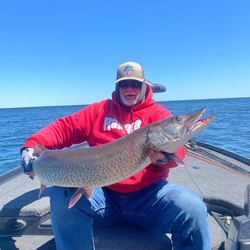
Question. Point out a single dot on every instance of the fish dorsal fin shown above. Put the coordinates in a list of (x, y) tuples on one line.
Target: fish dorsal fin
[(38, 150), (78, 194), (82, 145)]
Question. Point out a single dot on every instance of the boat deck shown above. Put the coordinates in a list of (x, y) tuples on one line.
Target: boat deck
[(221, 189)]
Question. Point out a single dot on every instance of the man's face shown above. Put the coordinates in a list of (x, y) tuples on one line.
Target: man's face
[(129, 91)]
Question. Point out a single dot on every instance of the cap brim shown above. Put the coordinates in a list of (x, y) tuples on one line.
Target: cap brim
[(129, 78)]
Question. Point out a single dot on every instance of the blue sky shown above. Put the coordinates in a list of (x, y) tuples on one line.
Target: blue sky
[(67, 52)]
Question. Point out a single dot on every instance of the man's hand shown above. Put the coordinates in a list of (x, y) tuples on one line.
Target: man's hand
[(155, 156), (27, 161), (158, 157)]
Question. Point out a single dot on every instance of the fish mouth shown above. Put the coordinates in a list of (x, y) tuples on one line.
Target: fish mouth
[(184, 127), (203, 122), (195, 123)]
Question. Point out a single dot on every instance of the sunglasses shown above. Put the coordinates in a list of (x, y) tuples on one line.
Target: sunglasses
[(126, 84)]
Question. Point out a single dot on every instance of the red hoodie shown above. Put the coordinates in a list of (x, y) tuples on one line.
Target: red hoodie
[(104, 122)]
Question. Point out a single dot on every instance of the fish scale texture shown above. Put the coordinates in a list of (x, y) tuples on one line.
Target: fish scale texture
[(92, 167)]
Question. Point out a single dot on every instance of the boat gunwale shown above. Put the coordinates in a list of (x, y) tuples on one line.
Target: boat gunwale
[(225, 152)]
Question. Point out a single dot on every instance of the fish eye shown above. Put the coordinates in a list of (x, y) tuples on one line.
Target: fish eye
[(178, 119)]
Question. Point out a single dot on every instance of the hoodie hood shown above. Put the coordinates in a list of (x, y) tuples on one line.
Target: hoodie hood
[(148, 99), (141, 96)]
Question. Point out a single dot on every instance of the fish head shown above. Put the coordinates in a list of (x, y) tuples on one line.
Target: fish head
[(169, 134)]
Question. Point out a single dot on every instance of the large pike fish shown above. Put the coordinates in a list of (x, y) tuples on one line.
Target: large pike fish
[(101, 166)]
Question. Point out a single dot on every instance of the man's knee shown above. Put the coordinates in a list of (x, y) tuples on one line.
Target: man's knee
[(191, 203), (183, 200)]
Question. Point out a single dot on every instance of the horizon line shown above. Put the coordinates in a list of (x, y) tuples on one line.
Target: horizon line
[(64, 105)]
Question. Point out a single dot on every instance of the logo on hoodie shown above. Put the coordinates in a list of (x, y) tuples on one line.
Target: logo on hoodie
[(112, 123), (128, 70)]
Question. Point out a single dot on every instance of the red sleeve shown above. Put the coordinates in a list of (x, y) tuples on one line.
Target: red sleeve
[(64, 132)]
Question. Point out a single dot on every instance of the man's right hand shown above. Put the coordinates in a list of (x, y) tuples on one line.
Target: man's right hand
[(27, 161)]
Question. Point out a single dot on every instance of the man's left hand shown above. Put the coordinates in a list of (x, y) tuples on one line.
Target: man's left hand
[(156, 156), (159, 158)]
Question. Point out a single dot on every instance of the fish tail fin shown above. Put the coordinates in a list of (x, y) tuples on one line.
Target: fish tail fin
[(78, 194), (38, 150), (41, 190)]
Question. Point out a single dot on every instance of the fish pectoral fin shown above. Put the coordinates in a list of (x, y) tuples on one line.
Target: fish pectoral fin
[(88, 193), (41, 190), (177, 159), (78, 194)]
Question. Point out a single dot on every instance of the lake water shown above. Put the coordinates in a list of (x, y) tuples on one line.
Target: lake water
[(230, 130)]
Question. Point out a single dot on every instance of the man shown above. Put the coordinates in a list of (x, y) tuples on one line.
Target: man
[(146, 199)]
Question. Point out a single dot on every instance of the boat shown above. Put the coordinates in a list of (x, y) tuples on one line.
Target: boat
[(220, 177)]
